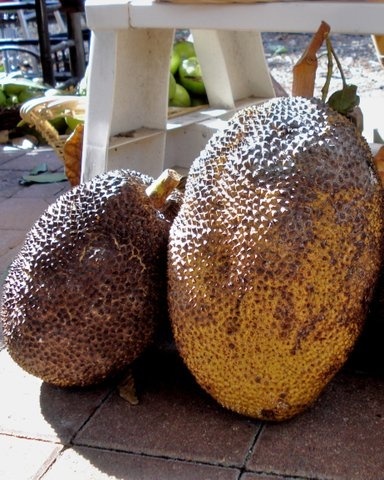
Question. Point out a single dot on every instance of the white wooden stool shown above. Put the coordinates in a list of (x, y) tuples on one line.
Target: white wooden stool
[(127, 123)]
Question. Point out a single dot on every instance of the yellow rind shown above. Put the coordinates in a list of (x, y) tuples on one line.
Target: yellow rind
[(269, 284)]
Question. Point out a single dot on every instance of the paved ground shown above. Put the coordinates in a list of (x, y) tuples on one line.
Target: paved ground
[(176, 432)]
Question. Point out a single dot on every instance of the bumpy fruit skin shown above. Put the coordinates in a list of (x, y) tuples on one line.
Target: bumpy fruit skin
[(274, 255), (86, 293)]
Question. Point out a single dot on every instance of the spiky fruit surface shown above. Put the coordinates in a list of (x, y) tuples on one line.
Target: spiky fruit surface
[(84, 296), (274, 255)]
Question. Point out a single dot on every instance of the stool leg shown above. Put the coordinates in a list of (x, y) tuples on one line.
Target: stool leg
[(128, 98), (233, 65), (100, 90)]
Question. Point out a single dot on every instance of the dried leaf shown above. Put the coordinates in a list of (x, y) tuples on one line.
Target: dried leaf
[(127, 389), (280, 50), (72, 153), (40, 174), (40, 168), (304, 72), (377, 138), (378, 42), (50, 177)]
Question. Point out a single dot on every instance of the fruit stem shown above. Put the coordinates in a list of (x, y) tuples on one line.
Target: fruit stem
[(160, 188), (338, 63), (325, 88), (331, 55)]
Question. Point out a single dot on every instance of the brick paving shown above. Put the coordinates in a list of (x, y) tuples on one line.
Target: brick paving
[(176, 431)]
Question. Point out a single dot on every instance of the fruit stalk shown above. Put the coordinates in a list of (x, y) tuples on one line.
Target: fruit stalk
[(325, 89), (160, 189)]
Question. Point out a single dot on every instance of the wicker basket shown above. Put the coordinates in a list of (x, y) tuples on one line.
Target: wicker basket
[(39, 111)]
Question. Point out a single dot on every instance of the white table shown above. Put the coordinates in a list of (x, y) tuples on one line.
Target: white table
[(127, 123)]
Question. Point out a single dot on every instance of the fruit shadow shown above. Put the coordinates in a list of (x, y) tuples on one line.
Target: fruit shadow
[(368, 354), (175, 419)]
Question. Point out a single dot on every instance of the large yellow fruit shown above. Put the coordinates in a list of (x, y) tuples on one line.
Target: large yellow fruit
[(274, 255)]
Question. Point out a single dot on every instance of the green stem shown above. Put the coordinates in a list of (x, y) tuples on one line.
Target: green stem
[(325, 89), (338, 66)]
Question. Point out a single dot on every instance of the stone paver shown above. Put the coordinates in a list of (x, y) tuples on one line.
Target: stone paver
[(9, 240), (9, 154), (33, 409), (14, 166), (20, 214), (262, 476), (9, 184), (87, 463), (5, 261), (31, 158), (348, 417), (24, 459), (48, 191), (173, 419)]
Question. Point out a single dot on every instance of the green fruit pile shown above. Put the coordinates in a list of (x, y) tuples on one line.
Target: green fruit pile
[(15, 91), (186, 85)]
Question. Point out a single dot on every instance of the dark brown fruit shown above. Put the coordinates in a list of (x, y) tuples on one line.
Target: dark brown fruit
[(87, 291)]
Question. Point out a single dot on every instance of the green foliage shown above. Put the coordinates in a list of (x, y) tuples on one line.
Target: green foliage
[(344, 100)]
